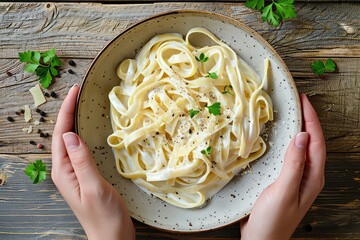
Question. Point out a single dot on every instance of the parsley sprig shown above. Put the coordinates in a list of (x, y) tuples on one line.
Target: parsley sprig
[(43, 64), (202, 58), (214, 108), (206, 151), (36, 171), (193, 112), (319, 67), (212, 75), (275, 12)]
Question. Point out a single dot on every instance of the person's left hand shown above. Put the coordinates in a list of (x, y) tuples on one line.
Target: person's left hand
[(96, 203)]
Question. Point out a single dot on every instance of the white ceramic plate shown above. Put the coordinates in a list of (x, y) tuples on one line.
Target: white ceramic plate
[(235, 200)]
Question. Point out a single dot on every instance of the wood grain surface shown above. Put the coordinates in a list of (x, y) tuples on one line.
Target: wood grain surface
[(78, 31)]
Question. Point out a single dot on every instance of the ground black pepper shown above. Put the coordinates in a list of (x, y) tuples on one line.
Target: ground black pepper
[(9, 73), (21, 111), (18, 113), (42, 119), (43, 114)]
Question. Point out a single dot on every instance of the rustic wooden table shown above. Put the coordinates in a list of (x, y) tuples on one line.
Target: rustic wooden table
[(79, 30)]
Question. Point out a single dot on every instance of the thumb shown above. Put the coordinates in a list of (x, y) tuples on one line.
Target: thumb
[(293, 168), (81, 160)]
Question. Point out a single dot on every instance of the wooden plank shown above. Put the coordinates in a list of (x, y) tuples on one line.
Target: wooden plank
[(81, 30), (30, 211), (152, 1), (335, 98)]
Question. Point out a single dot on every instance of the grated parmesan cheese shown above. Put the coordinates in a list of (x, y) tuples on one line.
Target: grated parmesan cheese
[(37, 95)]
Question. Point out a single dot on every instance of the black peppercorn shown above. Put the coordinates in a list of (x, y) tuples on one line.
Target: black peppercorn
[(53, 94), (9, 73), (72, 63), (42, 119), (46, 135), (71, 71), (10, 119), (47, 94), (38, 110), (43, 114), (32, 142), (21, 111), (42, 134), (18, 113)]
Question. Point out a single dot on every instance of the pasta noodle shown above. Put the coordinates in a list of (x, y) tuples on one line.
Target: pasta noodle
[(167, 137)]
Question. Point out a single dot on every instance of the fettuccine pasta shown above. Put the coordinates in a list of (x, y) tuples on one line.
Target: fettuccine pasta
[(186, 119)]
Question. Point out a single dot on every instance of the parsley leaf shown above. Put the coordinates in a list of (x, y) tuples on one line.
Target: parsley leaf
[(330, 65), (36, 171), (269, 16), (285, 9), (206, 151), (201, 58), (212, 75), (275, 12), (319, 67), (227, 89), (255, 4), (214, 109), (193, 112), (43, 64)]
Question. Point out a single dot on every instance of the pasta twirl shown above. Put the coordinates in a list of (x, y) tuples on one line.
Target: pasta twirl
[(158, 145)]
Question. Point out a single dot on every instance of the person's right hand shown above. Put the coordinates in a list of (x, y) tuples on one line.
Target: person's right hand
[(281, 206), (98, 205)]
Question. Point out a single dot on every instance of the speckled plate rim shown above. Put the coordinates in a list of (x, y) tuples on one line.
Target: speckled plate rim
[(226, 19)]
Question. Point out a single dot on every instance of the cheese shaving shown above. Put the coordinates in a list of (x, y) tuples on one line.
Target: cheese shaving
[(37, 95), (27, 114)]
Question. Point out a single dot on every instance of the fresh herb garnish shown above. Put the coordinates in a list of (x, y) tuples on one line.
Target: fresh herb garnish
[(227, 89), (206, 151), (202, 58), (214, 109), (212, 75), (193, 112), (43, 64), (319, 67), (284, 9), (36, 171)]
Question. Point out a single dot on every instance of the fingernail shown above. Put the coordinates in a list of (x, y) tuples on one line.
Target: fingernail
[(301, 140), (71, 140), (75, 85)]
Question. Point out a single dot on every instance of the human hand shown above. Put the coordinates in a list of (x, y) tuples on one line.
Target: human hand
[(96, 203), (281, 206)]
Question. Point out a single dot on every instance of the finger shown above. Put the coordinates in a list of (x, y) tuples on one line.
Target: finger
[(82, 162), (317, 148), (316, 154), (293, 168), (64, 123)]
